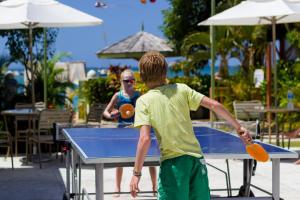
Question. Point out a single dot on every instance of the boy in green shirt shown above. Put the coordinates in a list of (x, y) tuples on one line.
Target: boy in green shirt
[(166, 108)]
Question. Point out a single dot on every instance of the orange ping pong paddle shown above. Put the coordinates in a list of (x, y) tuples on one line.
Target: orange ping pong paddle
[(126, 110), (256, 151)]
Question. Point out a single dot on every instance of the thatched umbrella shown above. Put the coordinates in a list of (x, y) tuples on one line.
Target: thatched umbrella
[(135, 46)]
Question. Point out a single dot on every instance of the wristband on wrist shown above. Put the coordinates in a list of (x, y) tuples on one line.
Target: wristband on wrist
[(136, 173)]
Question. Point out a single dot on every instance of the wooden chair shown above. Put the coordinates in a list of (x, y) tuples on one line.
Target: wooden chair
[(6, 142), (43, 135), (21, 122), (94, 116), (248, 112), (40, 105)]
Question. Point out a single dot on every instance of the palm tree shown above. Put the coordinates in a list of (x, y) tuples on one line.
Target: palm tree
[(244, 43), (196, 48), (56, 87)]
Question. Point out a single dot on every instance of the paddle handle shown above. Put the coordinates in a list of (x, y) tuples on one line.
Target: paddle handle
[(246, 138)]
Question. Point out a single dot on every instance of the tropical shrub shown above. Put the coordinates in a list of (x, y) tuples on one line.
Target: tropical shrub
[(56, 87), (288, 79), (99, 90), (200, 84)]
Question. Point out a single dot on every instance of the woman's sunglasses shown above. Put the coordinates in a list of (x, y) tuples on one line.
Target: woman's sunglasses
[(129, 81)]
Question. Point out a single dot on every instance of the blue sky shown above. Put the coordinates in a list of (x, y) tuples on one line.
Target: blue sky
[(121, 19)]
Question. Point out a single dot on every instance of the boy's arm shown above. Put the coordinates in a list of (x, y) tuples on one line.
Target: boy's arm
[(142, 149), (222, 112)]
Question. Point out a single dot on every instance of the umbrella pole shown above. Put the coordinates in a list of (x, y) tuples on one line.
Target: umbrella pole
[(268, 78), (45, 67), (212, 57), (31, 67), (274, 59), (275, 76)]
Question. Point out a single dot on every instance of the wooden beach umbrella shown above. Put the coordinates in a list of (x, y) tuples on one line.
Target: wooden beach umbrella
[(30, 14), (259, 12)]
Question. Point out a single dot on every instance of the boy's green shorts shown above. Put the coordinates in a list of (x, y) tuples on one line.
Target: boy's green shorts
[(183, 178)]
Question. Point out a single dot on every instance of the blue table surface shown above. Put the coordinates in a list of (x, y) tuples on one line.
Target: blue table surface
[(122, 142)]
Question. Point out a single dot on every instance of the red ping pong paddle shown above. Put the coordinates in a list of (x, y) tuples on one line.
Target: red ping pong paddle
[(126, 110)]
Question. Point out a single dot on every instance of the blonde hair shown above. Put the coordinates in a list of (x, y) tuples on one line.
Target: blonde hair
[(126, 71), (153, 67)]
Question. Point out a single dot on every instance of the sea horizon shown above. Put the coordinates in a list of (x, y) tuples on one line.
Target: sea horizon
[(19, 73)]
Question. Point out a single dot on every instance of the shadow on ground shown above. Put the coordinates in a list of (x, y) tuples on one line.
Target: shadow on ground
[(29, 182)]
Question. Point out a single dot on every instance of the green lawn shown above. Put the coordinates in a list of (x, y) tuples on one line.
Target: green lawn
[(294, 143)]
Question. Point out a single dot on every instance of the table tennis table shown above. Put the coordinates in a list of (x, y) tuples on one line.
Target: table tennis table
[(112, 147)]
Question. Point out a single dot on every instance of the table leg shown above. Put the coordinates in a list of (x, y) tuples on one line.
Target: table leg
[(74, 174), (79, 176), (99, 182), (276, 178), (247, 170), (68, 159)]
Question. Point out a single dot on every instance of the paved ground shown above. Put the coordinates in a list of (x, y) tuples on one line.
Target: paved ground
[(28, 182)]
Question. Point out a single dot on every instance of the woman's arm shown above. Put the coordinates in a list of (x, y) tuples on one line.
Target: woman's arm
[(110, 106)]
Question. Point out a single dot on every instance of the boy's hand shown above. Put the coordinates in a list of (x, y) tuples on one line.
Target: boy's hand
[(134, 185), (244, 135)]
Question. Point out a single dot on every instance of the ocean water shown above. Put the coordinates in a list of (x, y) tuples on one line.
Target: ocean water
[(171, 74)]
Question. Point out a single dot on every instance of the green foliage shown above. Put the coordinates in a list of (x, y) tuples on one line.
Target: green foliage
[(3, 67), (139, 85), (8, 86), (98, 90), (195, 48), (56, 86), (182, 19), (17, 42), (201, 84), (237, 87), (288, 79)]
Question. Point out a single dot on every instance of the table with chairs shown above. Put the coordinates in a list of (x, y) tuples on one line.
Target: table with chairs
[(37, 132), (6, 141), (20, 114), (44, 132)]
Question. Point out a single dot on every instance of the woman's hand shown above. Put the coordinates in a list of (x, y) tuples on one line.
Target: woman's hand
[(114, 114)]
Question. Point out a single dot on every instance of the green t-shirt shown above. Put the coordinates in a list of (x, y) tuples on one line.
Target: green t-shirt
[(167, 110)]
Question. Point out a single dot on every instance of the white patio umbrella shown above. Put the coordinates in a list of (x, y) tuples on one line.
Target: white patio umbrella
[(257, 12), (30, 14)]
